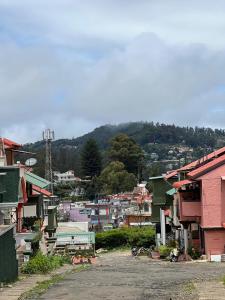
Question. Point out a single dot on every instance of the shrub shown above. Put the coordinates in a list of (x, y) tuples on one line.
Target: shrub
[(164, 251), (172, 244), (194, 253), (126, 237), (43, 264)]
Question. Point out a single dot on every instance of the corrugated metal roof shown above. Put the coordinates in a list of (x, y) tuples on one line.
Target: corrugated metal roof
[(36, 180)]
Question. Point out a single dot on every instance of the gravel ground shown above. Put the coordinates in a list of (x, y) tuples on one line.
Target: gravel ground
[(120, 276)]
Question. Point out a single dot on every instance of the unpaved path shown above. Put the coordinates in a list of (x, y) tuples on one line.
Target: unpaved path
[(120, 276)]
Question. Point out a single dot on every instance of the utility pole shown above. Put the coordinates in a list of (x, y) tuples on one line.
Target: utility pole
[(163, 227), (48, 137)]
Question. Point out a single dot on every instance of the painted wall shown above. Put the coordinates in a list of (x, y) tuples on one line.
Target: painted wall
[(213, 198), (189, 210), (8, 261), (10, 184), (214, 241)]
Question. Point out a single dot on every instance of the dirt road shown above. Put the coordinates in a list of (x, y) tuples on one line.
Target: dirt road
[(120, 276)]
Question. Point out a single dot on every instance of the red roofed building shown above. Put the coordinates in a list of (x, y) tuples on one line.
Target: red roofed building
[(21, 192), (201, 202), (7, 150)]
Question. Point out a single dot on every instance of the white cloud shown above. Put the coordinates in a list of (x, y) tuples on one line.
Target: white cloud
[(73, 65)]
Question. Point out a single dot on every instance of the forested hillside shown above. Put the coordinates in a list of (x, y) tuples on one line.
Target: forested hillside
[(173, 144)]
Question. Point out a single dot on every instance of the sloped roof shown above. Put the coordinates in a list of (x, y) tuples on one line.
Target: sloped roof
[(10, 144), (200, 162), (179, 184), (207, 167), (41, 191), (36, 180)]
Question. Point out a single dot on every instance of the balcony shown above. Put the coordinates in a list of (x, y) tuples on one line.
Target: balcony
[(190, 206), (191, 209)]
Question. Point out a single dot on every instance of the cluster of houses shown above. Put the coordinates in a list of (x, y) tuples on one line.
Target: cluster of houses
[(131, 209), (190, 203), (187, 205)]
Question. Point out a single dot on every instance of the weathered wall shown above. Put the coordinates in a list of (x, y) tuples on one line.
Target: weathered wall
[(214, 241)]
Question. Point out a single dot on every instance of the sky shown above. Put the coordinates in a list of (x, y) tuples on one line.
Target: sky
[(73, 65)]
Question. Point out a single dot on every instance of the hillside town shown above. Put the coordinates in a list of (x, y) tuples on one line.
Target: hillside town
[(112, 150), (184, 208)]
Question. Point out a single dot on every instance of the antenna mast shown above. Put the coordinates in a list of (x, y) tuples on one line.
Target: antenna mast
[(48, 137)]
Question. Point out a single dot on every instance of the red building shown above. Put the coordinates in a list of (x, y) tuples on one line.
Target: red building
[(200, 196)]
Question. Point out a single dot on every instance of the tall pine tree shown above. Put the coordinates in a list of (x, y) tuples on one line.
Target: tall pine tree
[(127, 151), (91, 162)]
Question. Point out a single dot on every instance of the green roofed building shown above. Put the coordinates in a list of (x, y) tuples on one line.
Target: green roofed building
[(36, 180), (162, 195)]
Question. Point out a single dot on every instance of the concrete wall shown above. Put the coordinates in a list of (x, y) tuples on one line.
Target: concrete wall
[(214, 241), (213, 198)]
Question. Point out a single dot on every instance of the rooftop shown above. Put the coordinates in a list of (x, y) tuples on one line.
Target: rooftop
[(5, 228)]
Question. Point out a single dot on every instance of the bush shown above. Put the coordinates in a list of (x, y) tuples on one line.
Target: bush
[(194, 253), (43, 264), (140, 237), (164, 251)]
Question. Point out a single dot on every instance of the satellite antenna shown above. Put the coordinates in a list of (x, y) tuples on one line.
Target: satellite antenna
[(30, 162)]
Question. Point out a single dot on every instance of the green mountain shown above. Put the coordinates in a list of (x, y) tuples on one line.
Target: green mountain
[(169, 145)]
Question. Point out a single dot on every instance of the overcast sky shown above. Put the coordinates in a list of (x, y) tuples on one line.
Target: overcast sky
[(73, 65)]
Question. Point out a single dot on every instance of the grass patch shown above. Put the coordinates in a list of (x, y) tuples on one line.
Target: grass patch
[(42, 286), (224, 280), (42, 264), (80, 268)]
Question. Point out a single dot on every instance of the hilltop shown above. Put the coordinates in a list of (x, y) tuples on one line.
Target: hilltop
[(172, 145)]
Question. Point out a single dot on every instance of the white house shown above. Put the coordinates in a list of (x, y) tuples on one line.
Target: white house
[(67, 177)]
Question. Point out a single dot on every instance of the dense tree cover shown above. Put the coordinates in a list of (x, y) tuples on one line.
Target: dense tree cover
[(149, 132), (91, 163), (124, 149), (115, 179), (150, 136), (64, 158), (92, 188)]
